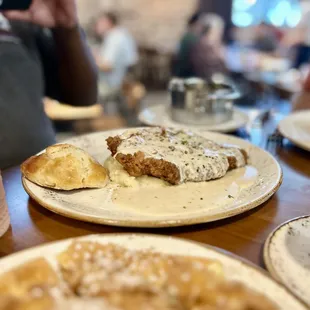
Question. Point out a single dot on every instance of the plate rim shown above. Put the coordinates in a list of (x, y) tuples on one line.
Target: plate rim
[(285, 133), (245, 262), (157, 223), (228, 130), (268, 261)]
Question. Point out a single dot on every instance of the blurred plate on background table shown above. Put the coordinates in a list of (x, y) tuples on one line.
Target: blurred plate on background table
[(235, 269), (158, 115), (287, 256), (296, 128), (239, 191)]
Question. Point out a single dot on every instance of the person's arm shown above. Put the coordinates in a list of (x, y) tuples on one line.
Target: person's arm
[(77, 70), (102, 64), (65, 53), (106, 57), (206, 61), (199, 62)]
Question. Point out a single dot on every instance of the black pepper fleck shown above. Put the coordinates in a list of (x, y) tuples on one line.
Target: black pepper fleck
[(291, 231), (230, 196)]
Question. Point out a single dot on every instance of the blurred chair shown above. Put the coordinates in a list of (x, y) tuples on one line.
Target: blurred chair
[(125, 102), (134, 92), (154, 68)]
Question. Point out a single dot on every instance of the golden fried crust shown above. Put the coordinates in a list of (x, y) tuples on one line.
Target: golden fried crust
[(27, 286), (132, 280), (245, 155), (137, 165), (64, 167), (22, 279), (113, 143), (142, 301), (232, 161), (27, 303)]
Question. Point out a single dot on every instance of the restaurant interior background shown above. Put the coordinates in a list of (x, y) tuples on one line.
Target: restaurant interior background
[(267, 79), (258, 212)]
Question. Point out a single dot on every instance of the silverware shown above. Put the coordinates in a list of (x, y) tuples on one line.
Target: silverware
[(275, 138)]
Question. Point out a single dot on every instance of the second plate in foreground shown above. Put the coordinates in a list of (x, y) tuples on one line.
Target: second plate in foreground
[(234, 268), (239, 191)]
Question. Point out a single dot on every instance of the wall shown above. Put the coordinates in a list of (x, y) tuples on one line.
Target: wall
[(154, 23)]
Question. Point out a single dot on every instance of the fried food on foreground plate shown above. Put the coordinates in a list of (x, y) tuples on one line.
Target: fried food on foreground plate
[(176, 156), (110, 277), (65, 167), (28, 286)]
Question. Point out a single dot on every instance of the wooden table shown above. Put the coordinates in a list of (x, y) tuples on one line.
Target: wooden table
[(243, 235)]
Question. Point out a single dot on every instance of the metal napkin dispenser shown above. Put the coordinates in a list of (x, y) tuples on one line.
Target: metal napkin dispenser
[(194, 102)]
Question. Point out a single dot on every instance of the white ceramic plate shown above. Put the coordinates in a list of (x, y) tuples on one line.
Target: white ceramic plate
[(157, 115), (296, 128), (97, 205), (234, 268), (287, 256)]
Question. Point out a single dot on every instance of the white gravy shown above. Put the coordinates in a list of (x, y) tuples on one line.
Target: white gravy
[(188, 197), (197, 159)]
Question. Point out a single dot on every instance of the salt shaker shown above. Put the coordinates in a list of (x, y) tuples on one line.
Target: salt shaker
[(4, 214)]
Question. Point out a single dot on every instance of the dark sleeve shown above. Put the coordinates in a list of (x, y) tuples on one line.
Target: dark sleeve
[(199, 61), (41, 49), (50, 65), (205, 61), (69, 69)]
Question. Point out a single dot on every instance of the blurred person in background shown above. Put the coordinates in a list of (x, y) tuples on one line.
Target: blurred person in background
[(302, 47), (183, 67), (42, 53), (207, 55), (267, 38), (301, 101), (116, 54)]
